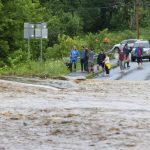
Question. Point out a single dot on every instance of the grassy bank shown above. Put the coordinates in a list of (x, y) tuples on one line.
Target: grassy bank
[(49, 69)]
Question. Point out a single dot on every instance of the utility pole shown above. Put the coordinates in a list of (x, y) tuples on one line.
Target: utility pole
[(137, 4)]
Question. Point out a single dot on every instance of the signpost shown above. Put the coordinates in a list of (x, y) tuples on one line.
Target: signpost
[(40, 32), (28, 34)]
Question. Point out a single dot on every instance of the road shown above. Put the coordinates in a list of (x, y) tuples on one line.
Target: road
[(133, 73), (82, 75)]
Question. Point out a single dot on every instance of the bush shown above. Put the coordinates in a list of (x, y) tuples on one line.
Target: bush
[(144, 33), (17, 57)]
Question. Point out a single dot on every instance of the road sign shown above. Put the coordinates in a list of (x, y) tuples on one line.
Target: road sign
[(28, 30), (40, 32)]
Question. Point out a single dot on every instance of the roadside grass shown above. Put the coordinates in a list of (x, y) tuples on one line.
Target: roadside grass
[(52, 68), (47, 69)]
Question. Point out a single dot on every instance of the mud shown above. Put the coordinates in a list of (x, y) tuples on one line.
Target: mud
[(83, 115)]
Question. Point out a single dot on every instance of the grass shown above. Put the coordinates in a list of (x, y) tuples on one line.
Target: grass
[(51, 69)]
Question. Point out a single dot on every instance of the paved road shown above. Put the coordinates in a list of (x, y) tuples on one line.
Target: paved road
[(133, 73), (82, 75)]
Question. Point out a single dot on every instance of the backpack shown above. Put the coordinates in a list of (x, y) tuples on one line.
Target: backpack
[(139, 52)]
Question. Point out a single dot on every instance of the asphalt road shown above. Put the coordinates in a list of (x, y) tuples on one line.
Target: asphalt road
[(133, 73)]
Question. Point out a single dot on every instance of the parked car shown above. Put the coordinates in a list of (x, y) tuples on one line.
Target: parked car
[(146, 48), (116, 47), (129, 42)]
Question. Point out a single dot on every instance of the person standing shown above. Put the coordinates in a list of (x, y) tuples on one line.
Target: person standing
[(82, 56), (139, 54), (100, 61), (107, 65), (73, 58), (126, 56), (86, 59), (91, 61), (121, 59)]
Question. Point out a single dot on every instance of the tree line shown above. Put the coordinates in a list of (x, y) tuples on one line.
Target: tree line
[(64, 17)]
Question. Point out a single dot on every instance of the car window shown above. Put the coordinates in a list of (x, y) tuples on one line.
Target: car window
[(129, 42), (124, 42), (132, 41)]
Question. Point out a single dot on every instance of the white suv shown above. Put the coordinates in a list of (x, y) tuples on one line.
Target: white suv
[(129, 42), (146, 48)]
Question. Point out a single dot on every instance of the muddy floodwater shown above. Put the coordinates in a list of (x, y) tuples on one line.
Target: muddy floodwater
[(81, 115)]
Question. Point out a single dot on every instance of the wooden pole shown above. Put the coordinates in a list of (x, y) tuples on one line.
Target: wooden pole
[(137, 18)]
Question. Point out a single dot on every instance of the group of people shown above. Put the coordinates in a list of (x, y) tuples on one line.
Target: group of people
[(104, 62), (124, 57), (87, 57)]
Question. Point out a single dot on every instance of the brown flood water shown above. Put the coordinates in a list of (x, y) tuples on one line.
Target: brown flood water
[(83, 115)]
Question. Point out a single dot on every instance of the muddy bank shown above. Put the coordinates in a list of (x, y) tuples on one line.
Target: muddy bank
[(91, 115)]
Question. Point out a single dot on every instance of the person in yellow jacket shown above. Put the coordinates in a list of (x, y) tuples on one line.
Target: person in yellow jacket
[(107, 65)]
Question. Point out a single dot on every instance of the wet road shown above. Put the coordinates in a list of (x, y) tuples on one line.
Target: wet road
[(133, 73)]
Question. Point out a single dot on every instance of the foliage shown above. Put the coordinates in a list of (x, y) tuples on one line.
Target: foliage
[(95, 24), (63, 48), (49, 68), (17, 57), (144, 33)]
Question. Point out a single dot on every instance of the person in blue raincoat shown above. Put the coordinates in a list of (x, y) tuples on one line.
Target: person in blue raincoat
[(73, 58)]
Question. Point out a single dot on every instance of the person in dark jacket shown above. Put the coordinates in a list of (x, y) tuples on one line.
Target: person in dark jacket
[(82, 56), (100, 60), (86, 59), (126, 56)]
